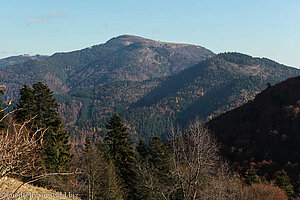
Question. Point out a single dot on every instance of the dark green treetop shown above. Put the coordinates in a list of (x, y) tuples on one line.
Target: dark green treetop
[(143, 149), (37, 103), (121, 151), (161, 161)]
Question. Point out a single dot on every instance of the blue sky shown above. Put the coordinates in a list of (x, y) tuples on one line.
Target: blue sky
[(263, 28)]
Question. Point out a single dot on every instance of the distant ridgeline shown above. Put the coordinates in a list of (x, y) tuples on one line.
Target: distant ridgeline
[(19, 59), (150, 84), (205, 90), (265, 132)]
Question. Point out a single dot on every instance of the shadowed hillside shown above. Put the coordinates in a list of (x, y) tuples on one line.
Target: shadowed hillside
[(265, 131), (206, 90)]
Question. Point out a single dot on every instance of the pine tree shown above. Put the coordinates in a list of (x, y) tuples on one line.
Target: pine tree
[(37, 103), (143, 150), (121, 151), (112, 182), (283, 181), (159, 155), (98, 174), (251, 176), (102, 147), (161, 162), (156, 179), (26, 104)]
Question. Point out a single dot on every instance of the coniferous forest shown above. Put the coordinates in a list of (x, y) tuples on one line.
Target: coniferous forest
[(137, 119), (196, 162), (150, 100)]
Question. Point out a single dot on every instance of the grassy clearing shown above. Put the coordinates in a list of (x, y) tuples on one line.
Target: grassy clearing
[(27, 191)]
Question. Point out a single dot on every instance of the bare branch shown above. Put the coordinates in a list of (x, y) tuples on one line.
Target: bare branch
[(19, 150), (196, 158)]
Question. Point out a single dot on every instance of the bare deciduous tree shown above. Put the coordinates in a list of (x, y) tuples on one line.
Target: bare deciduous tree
[(222, 185), (197, 161), (19, 150)]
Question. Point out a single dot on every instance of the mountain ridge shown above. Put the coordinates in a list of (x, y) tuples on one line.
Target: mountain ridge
[(111, 60), (207, 89), (151, 84), (12, 60)]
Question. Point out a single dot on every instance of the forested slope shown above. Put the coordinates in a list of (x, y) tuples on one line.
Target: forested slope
[(265, 131)]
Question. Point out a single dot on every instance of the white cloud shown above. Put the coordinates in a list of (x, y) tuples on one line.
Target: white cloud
[(46, 18), (36, 20), (56, 13)]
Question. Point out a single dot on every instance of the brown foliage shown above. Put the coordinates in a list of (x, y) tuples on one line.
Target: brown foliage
[(264, 191)]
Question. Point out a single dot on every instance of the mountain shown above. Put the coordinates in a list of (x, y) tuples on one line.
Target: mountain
[(150, 84), (19, 59), (264, 132), (206, 90), (126, 57), (105, 77), (140, 59)]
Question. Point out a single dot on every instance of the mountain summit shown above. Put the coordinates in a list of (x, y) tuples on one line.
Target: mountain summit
[(122, 58), (139, 59)]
